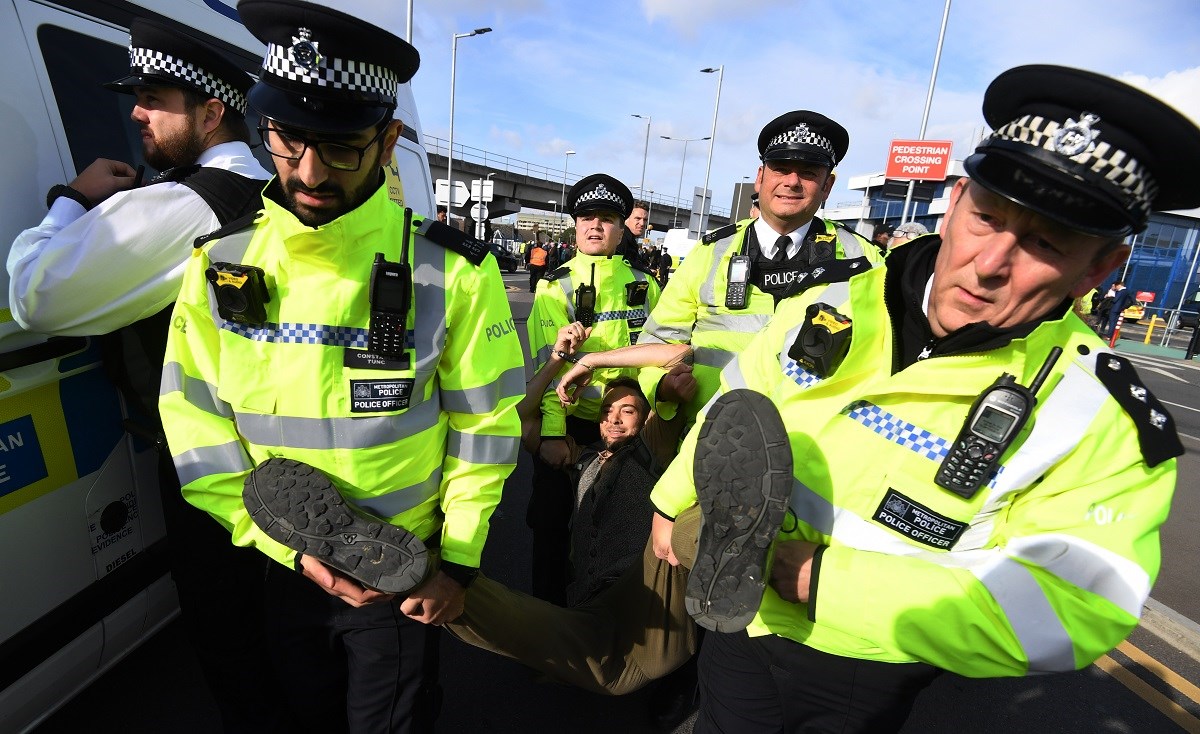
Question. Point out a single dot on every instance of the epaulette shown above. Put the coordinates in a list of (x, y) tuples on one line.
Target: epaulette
[(557, 273), (237, 225), (719, 234), (1155, 427), (452, 239), (176, 174)]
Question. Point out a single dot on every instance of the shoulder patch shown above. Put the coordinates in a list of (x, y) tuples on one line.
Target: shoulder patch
[(452, 239), (556, 274), (719, 234), (1155, 426), (237, 225)]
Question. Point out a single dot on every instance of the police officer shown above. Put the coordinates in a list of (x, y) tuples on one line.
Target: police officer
[(332, 347), (611, 297), (782, 252), (102, 261), (962, 495)]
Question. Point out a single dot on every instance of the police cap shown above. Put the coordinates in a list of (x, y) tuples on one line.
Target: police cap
[(803, 136), (160, 55), (599, 192), (325, 70), (1087, 151)]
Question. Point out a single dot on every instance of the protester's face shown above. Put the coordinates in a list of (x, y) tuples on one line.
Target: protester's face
[(791, 192), (172, 134), (636, 223), (318, 194), (881, 238), (621, 415), (598, 233), (1003, 264)]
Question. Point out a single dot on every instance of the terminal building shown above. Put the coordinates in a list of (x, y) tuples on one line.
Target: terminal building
[(1163, 260)]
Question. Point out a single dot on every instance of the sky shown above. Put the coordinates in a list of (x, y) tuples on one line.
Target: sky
[(569, 75)]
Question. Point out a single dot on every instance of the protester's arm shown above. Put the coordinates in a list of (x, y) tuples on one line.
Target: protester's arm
[(530, 406), (657, 354)]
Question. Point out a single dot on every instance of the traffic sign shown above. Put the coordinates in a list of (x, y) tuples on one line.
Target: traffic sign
[(918, 160), (481, 189), (442, 194), (1145, 296), (479, 212)]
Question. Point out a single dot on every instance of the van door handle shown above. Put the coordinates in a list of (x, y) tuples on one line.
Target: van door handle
[(53, 348)]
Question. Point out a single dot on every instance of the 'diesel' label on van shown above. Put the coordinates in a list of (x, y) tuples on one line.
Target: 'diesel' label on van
[(114, 532), (21, 460)]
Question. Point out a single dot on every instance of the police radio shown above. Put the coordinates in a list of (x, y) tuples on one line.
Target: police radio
[(585, 301), (390, 290), (996, 417), (241, 292), (739, 277)]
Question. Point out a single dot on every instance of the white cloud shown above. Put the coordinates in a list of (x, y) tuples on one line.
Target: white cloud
[(1180, 89)]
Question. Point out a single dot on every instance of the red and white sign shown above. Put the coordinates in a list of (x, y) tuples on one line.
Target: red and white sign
[(919, 160), (1144, 296)]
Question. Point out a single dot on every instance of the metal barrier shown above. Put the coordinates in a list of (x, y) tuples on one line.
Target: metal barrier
[(517, 167)]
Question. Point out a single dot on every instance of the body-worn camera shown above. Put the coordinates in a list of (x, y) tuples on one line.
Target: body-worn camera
[(823, 340), (241, 292), (635, 293)]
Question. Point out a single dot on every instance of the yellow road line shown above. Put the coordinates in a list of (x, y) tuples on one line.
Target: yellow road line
[(1150, 695), (1168, 676)]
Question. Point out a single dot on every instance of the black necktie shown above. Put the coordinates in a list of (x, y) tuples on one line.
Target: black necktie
[(781, 246)]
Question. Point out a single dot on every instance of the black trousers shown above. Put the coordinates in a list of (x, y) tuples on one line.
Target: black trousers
[(549, 517), (368, 669), (772, 684)]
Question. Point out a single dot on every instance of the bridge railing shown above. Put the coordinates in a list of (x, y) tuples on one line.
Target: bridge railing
[(518, 167)]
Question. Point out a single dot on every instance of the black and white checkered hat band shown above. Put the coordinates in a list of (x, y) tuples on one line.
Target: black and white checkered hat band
[(1100, 161), (801, 135), (354, 76), (600, 193), (149, 61)]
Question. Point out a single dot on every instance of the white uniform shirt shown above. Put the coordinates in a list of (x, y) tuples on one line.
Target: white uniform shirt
[(85, 272), (767, 236)]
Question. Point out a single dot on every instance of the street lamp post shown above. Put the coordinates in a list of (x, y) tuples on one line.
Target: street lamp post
[(566, 160), (712, 138), (682, 163), (450, 153), (645, 151), (554, 208)]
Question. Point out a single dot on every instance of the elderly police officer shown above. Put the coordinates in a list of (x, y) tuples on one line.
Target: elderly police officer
[(332, 348), (603, 291), (962, 496), (725, 290)]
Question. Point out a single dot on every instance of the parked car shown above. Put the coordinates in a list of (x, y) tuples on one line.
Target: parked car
[(507, 261)]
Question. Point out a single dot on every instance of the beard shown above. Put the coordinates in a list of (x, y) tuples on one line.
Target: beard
[(180, 148), (344, 200)]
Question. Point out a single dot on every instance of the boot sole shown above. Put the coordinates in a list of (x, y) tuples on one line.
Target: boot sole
[(743, 475), (296, 505)]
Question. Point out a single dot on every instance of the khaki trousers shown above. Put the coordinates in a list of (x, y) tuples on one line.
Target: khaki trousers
[(633, 632)]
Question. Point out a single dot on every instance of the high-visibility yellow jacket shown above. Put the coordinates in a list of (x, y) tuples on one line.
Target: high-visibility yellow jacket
[(427, 447), (692, 310), (618, 324), (1045, 569)]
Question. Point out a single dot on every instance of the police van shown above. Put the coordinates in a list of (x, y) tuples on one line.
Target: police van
[(83, 566)]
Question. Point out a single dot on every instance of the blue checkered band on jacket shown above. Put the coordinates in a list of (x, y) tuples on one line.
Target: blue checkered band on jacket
[(635, 313), (801, 135), (1101, 159), (799, 374), (149, 61), (355, 76), (897, 430), (600, 193), (330, 336)]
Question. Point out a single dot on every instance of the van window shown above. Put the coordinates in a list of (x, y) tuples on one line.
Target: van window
[(95, 119)]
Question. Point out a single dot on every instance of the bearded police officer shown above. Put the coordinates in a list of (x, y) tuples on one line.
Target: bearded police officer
[(726, 289), (605, 292), (964, 477), (331, 346)]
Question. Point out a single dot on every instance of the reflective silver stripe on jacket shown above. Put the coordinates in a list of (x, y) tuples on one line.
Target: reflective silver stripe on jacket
[(569, 294), (481, 448), (743, 323), (337, 433), (485, 398), (390, 504), (198, 463), (708, 289), (197, 392), (711, 357)]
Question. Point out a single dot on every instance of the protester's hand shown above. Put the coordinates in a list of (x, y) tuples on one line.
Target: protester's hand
[(439, 600), (572, 382), (571, 336), (660, 536), (555, 452), (678, 385), (103, 178), (791, 569), (336, 584)]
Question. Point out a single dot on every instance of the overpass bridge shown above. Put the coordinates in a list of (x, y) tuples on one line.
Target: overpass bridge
[(519, 184)]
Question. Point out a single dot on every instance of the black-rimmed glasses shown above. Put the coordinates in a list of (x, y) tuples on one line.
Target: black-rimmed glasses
[(290, 146)]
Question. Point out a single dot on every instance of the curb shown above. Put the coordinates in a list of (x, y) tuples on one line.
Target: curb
[(1172, 627)]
